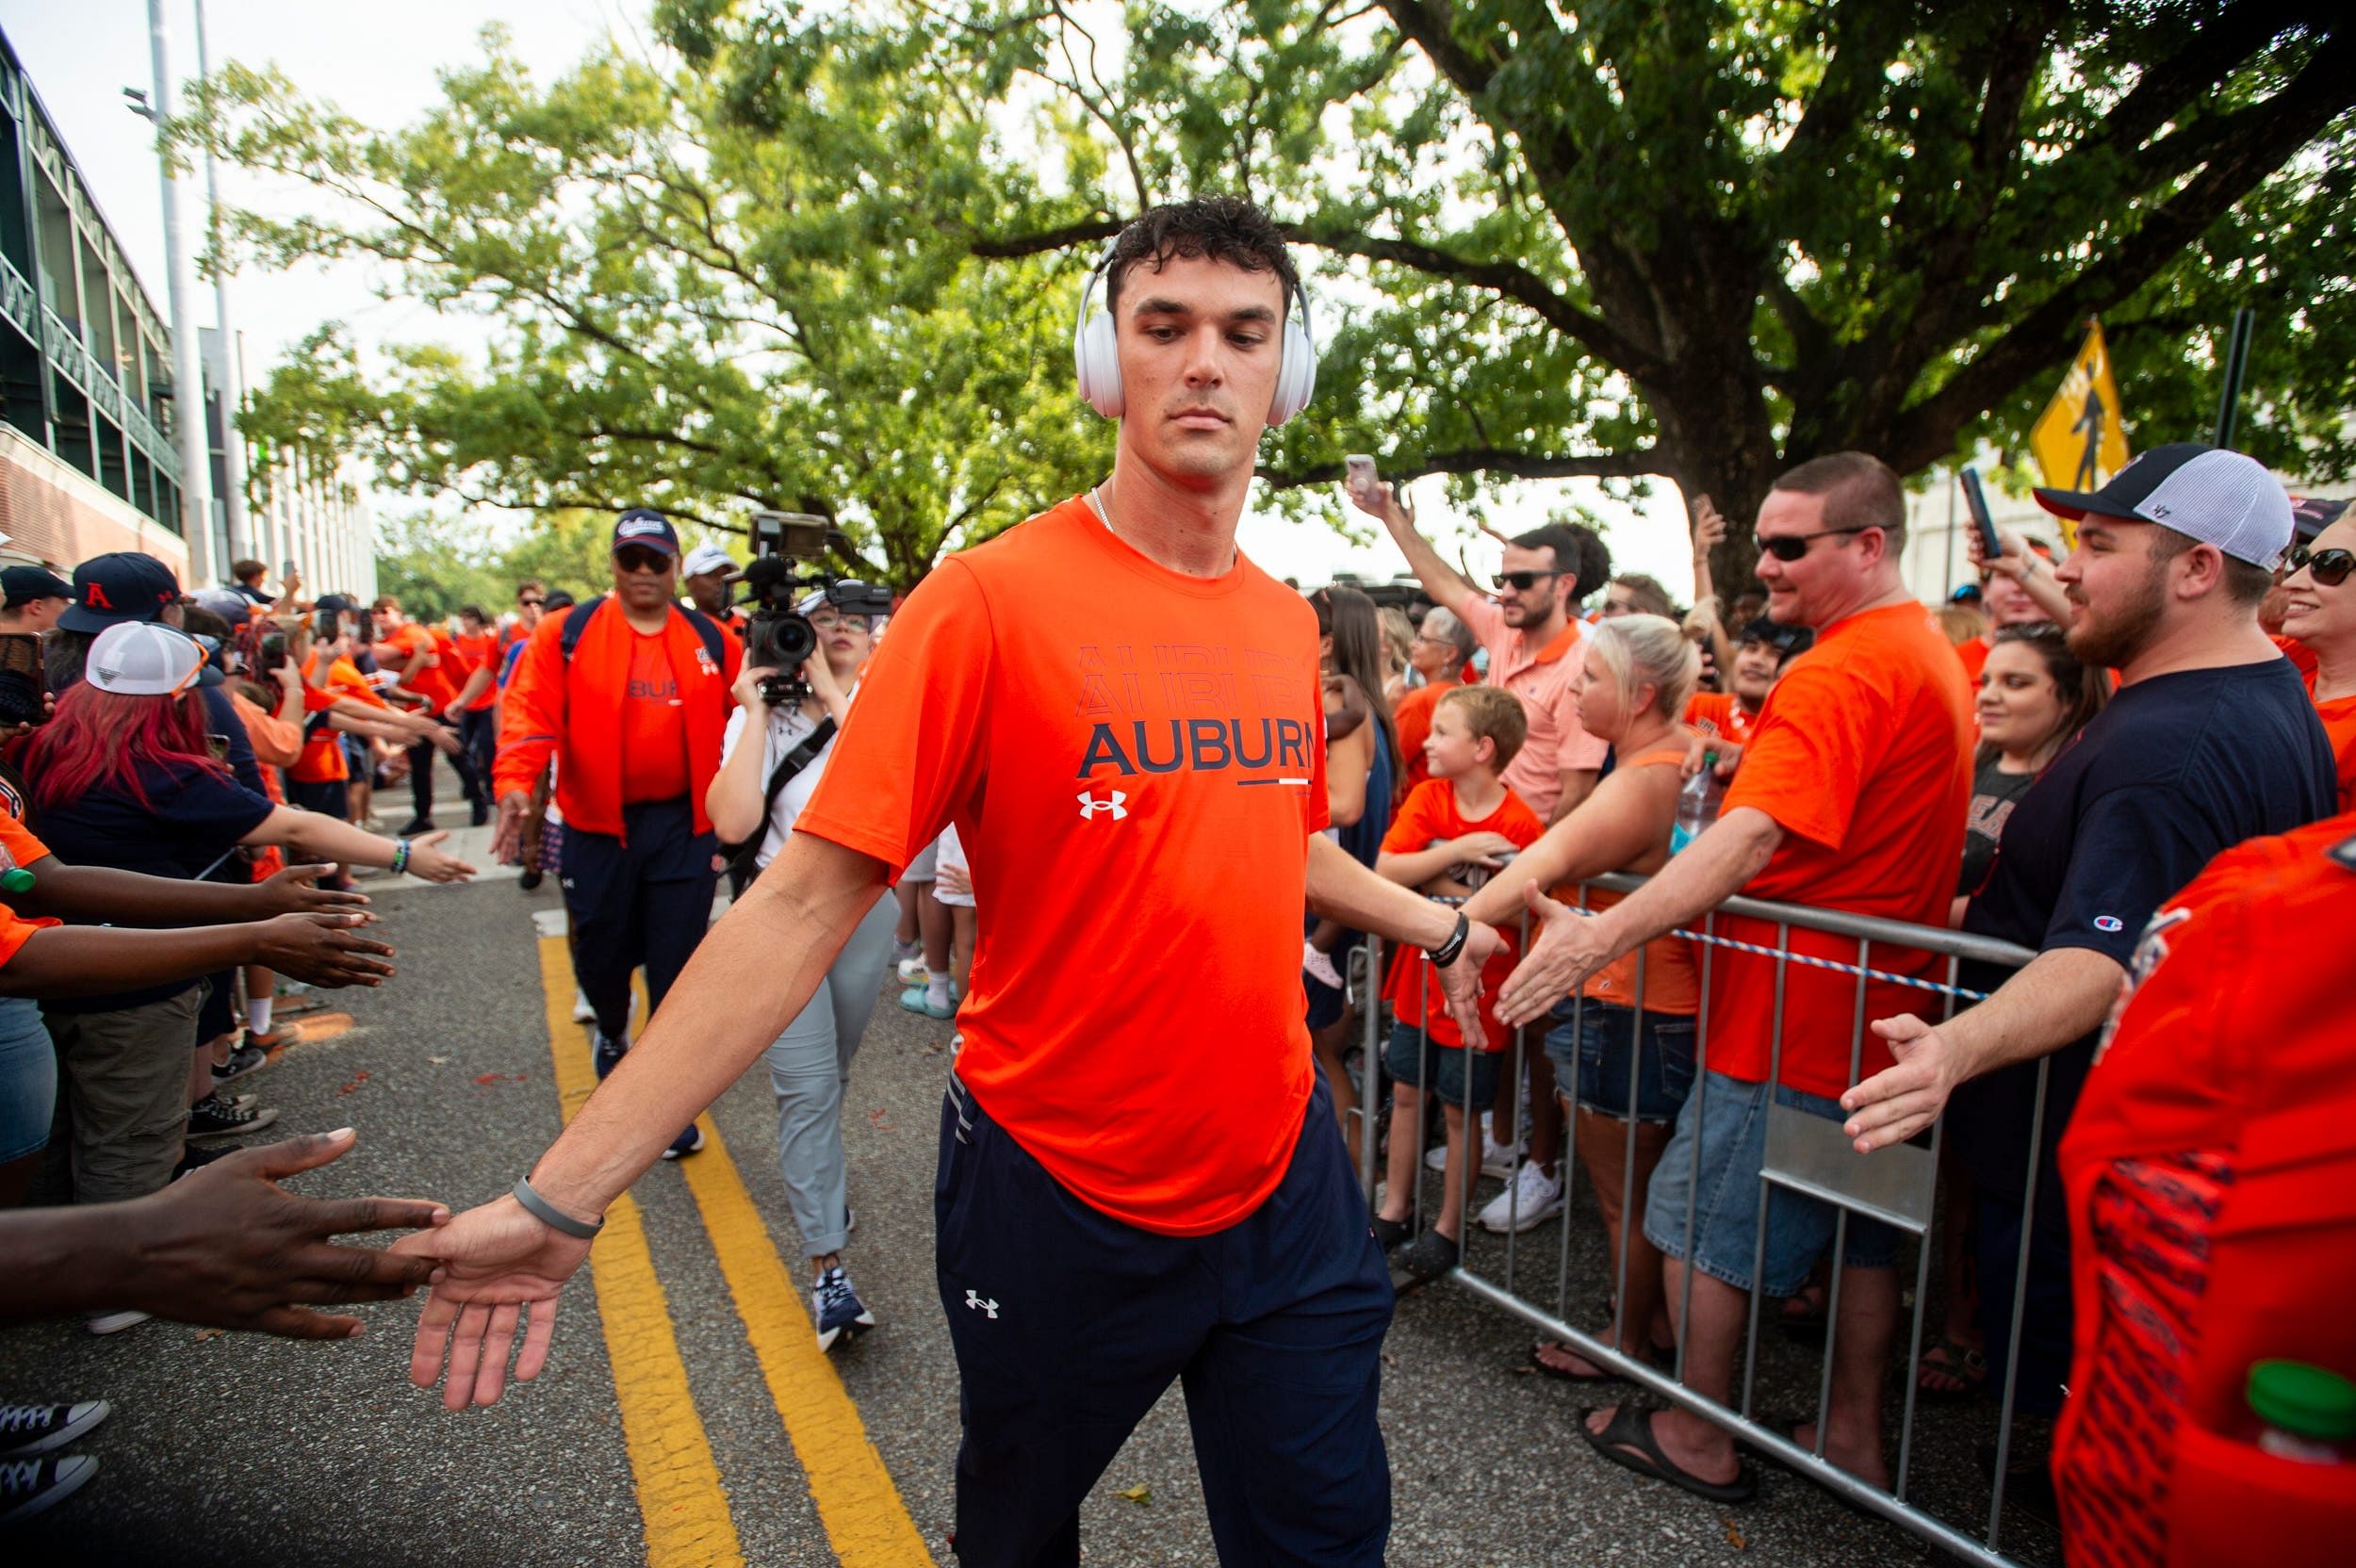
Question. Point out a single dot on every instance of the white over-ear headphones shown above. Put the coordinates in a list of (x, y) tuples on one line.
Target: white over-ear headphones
[(1096, 355)]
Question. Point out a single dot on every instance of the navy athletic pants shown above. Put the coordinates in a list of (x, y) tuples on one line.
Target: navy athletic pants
[(1069, 1325), (646, 900)]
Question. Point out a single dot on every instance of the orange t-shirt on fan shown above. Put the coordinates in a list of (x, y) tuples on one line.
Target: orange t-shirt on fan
[(1430, 814), (1862, 755), (1135, 761)]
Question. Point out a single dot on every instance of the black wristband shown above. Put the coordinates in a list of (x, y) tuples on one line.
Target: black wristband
[(1448, 950), (549, 1215)]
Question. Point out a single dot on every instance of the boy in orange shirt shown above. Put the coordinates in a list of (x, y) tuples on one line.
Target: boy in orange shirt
[(1450, 833)]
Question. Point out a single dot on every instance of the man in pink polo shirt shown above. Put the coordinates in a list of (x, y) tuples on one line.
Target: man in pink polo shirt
[(1531, 629)]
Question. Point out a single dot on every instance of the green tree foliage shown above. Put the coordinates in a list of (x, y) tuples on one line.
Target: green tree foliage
[(689, 310), (1703, 240)]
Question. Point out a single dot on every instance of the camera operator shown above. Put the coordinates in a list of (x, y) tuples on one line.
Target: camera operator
[(755, 796), (630, 691)]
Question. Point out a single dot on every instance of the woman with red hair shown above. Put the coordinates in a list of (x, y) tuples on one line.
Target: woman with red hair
[(125, 775)]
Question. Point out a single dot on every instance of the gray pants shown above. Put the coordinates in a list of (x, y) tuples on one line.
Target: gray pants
[(809, 1066), (125, 1084)]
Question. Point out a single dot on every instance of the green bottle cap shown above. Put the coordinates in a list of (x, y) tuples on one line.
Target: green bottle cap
[(16, 880), (2303, 1400)]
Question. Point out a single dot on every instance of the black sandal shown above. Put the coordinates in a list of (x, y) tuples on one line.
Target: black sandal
[(1632, 1428)]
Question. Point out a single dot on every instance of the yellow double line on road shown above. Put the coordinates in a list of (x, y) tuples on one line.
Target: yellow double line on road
[(680, 1492)]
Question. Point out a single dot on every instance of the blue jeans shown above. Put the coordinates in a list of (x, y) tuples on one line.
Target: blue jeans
[(1598, 1049), (1442, 1069), (28, 1079), (1727, 1118)]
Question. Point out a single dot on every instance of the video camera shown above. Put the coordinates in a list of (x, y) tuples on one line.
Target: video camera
[(776, 635)]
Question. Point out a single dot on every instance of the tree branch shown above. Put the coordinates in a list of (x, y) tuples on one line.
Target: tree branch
[(2293, 118)]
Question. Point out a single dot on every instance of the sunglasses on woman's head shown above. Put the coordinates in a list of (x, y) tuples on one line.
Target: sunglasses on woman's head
[(1790, 547), (2329, 567), (1522, 582)]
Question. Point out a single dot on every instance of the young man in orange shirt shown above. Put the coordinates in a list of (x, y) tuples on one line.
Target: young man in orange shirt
[(1851, 795), (1117, 710), (475, 706), (1760, 654), (425, 662)]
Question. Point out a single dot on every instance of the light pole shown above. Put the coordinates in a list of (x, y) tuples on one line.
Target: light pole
[(231, 382), (188, 367)]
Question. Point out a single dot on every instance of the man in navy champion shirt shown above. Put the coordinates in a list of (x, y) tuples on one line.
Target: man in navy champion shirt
[(2211, 740)]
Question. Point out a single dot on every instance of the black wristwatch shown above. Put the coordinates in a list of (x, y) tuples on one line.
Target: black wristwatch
[(1448, 950)]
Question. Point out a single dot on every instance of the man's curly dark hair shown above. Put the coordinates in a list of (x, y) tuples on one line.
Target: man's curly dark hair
[(1224, 228)]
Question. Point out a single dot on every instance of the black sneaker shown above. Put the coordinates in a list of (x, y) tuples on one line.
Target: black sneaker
[(1427, 1258), (29, 1430), (214, 1117), (29, 1486), (244, 1059), (689, 1142), (838, 1311), (606, 1054), (1390, 1233), (196, 1159), (414, 826), (528, 878)]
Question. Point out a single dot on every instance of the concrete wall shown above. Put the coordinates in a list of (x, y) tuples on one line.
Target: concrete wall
[(58, 516)]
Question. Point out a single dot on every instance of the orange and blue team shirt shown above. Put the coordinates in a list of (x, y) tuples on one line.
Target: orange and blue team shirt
[(1135, 761)]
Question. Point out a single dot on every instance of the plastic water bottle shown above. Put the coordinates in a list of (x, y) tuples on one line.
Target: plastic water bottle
[(1698, 803), (2305, 1413)]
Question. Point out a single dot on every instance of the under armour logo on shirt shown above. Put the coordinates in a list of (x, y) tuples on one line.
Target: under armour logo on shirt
[(1090, 806), (975, 1303)]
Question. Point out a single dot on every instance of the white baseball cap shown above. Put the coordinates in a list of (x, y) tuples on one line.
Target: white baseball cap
[(2206, 494), (144, 659), (706, 558)]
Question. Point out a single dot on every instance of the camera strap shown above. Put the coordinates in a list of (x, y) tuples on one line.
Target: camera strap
[(740, 856)]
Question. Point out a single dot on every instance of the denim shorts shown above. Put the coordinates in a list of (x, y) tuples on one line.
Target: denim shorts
[(1728, 1117), (1412, 1061), (28, 1079), (1595, 1047)]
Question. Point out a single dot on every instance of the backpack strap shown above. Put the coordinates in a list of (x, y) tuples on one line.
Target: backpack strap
[(708, 630), (576, 622)]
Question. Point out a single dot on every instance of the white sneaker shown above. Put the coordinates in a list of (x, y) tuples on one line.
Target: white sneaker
[(1529, 1200), (582, 1012), (113, 1322), (912, 971), (1497, 1160)]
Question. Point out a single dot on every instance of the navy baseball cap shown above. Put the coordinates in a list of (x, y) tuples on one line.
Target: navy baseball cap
[(1785, 640), (23, 584), (123, 586), (640, 526)]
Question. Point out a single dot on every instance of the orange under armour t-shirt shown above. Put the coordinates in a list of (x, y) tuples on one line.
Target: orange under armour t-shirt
[(1135, 761), (1429, 813), (654, 727), (1862, 755)]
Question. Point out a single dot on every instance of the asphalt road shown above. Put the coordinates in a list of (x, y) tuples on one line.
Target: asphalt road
[(684, 1418)]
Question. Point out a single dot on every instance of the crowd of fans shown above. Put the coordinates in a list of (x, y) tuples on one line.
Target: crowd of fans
[(2047, 759)]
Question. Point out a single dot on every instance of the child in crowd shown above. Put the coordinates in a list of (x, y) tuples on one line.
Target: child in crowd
[(1451, 831)]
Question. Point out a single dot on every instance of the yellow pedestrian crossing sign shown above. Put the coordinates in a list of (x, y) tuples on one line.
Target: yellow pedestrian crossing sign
[(2078, 440)]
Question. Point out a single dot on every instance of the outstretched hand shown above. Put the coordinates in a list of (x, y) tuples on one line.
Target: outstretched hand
[(226, 1246), (1566, 949), (1897, 1103), (500, 1267), (1459, 983), (324, 950), (295, 890)]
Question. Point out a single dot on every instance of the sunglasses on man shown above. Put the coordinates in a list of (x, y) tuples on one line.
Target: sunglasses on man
[(637, 558), (530, 604), (1790, 547), (1522, 582), (2327, 567)]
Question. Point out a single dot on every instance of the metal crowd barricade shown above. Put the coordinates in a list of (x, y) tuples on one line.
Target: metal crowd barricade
[(1804, 1153)]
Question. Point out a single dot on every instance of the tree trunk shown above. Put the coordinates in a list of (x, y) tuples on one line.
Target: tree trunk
[(1714, 440)]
